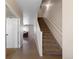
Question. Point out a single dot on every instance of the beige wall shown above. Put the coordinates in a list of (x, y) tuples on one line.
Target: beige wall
[(41, 12), (14, 7), (54, 20), (9, 13), (67, 25)]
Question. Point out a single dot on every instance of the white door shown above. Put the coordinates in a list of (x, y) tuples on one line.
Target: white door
[(11, 33)]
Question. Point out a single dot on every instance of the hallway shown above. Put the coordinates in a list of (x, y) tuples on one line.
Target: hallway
[(50, 39)]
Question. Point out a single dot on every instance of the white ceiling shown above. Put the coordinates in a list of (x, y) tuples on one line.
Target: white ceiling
[(30, 10), (29, 6)]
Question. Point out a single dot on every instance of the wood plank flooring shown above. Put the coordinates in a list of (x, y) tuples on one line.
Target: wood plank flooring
[(29, 51)]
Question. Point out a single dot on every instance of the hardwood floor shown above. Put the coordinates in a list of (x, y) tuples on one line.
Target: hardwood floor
[(10, 52), (28, 51)]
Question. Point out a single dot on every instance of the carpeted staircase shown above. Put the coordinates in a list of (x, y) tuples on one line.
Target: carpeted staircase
[(50, 45)]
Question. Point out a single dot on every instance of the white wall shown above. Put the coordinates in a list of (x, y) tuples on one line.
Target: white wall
[(67, 25), (21, 32), (28, 19), (54, 19), (38, 37)]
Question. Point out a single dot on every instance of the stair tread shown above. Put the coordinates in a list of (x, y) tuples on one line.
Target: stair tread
[(50, 45), (52, 49), (52, 53)]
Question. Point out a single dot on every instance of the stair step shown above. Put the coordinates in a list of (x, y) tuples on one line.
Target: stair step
[(51, 49), (53, 53), (49, 41), (50, 45), (45, 31), (44, 27), (47, 35), (48, 38)]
